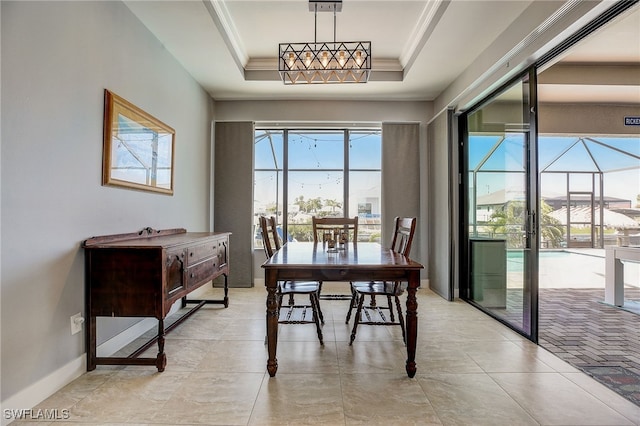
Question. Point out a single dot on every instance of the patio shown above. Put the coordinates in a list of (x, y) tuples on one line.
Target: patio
[(576, 324)]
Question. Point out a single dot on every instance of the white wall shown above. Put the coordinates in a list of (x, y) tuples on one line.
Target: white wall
[(345, 112), (57, 58)]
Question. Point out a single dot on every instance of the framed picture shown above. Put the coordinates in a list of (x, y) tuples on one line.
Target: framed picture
[(138, 149)]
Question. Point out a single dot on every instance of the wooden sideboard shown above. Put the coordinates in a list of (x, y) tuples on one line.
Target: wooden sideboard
[(143, 274)]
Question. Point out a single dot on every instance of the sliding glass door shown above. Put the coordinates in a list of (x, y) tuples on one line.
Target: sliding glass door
[(500, 191)]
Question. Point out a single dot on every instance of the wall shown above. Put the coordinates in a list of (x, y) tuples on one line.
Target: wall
[(57, 58), (344, 112), (339, 113), (590, 119)]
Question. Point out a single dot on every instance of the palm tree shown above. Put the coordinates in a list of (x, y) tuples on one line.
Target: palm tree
[(314, 204), (302, 205), (509, 223), (551, 230), (333, 204)]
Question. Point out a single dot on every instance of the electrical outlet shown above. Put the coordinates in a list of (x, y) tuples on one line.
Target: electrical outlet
[(76, 323)]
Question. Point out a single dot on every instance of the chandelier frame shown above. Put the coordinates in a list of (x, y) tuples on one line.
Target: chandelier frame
[(324, 62)]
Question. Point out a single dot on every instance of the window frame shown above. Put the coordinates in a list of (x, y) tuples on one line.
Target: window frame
[(284, 170)]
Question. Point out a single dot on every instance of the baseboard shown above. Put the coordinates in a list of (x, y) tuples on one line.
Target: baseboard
[(43, 388), (127, 336), (37, 392)]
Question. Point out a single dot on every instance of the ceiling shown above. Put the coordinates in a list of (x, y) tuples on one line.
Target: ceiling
[(231, 46)]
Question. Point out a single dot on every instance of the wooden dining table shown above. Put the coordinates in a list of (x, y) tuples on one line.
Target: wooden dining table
[(301, 261)]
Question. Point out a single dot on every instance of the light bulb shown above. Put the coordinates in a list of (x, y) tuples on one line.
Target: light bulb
[(307, 59), (341, 59), (359, 57), (325, 59), (292, 60)]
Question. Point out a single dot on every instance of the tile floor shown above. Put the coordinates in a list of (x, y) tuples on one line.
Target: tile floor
[(471, 371)]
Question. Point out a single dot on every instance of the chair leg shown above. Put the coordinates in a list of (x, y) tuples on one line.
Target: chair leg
[(313, 298), (356, 321), (319, 309), (391, 316), (352, 304), (401, 320)]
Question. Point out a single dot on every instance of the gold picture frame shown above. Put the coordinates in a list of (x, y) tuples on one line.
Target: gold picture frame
[(138, 149)]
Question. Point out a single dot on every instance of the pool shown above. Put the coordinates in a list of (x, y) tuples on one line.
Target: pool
[(568, 269), (515, 261)]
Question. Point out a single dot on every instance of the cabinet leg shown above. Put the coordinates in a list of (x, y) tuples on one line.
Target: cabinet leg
[(91, 343), (226, 291), (161, 359)]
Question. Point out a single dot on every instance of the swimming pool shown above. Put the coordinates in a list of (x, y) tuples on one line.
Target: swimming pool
[(568, 269)]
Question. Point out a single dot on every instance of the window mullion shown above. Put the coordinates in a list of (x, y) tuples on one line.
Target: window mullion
[(345, 186), (285, 182)]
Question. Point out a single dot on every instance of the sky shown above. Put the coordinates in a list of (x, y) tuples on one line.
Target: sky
[(618, 158)]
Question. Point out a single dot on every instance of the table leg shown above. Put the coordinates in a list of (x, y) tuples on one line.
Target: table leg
[(412, 322), (272, 322)]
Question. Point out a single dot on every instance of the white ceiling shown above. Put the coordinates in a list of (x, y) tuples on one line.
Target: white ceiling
[(428, 42)]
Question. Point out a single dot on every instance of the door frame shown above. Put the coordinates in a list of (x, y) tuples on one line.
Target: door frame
[(530, 267)]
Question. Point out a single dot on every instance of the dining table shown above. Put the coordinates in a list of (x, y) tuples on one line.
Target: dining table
[(358, 261)]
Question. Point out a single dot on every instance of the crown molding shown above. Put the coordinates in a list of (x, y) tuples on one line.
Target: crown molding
[(427, 23), (222, 19)]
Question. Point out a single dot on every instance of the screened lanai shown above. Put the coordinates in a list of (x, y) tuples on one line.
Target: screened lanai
[(589, 186)]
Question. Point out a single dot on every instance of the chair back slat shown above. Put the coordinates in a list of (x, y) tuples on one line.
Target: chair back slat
[(270, 238), (323, 225), (403, 235)]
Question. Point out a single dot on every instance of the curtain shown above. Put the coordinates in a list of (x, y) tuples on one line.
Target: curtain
[(400, 178), (441, 219), (233, 195)]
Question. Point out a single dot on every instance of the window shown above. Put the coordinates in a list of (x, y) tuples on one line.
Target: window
[(331, 173)]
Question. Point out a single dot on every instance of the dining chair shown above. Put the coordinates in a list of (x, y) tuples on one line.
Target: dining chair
[(293, 313), (401, 243), (326, 227), (342, 230)]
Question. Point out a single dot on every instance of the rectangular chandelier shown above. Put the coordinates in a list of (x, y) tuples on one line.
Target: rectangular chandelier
[(329, 62), (325, 62)]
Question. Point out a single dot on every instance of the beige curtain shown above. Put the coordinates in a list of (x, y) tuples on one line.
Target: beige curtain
[(233, 195), (441, 217), (400, 178)]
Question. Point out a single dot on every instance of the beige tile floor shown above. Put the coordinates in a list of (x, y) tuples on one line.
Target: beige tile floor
[(471, 371)]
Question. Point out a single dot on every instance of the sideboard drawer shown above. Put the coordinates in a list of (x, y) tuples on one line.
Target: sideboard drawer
[(203, 271), (201, 252)]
